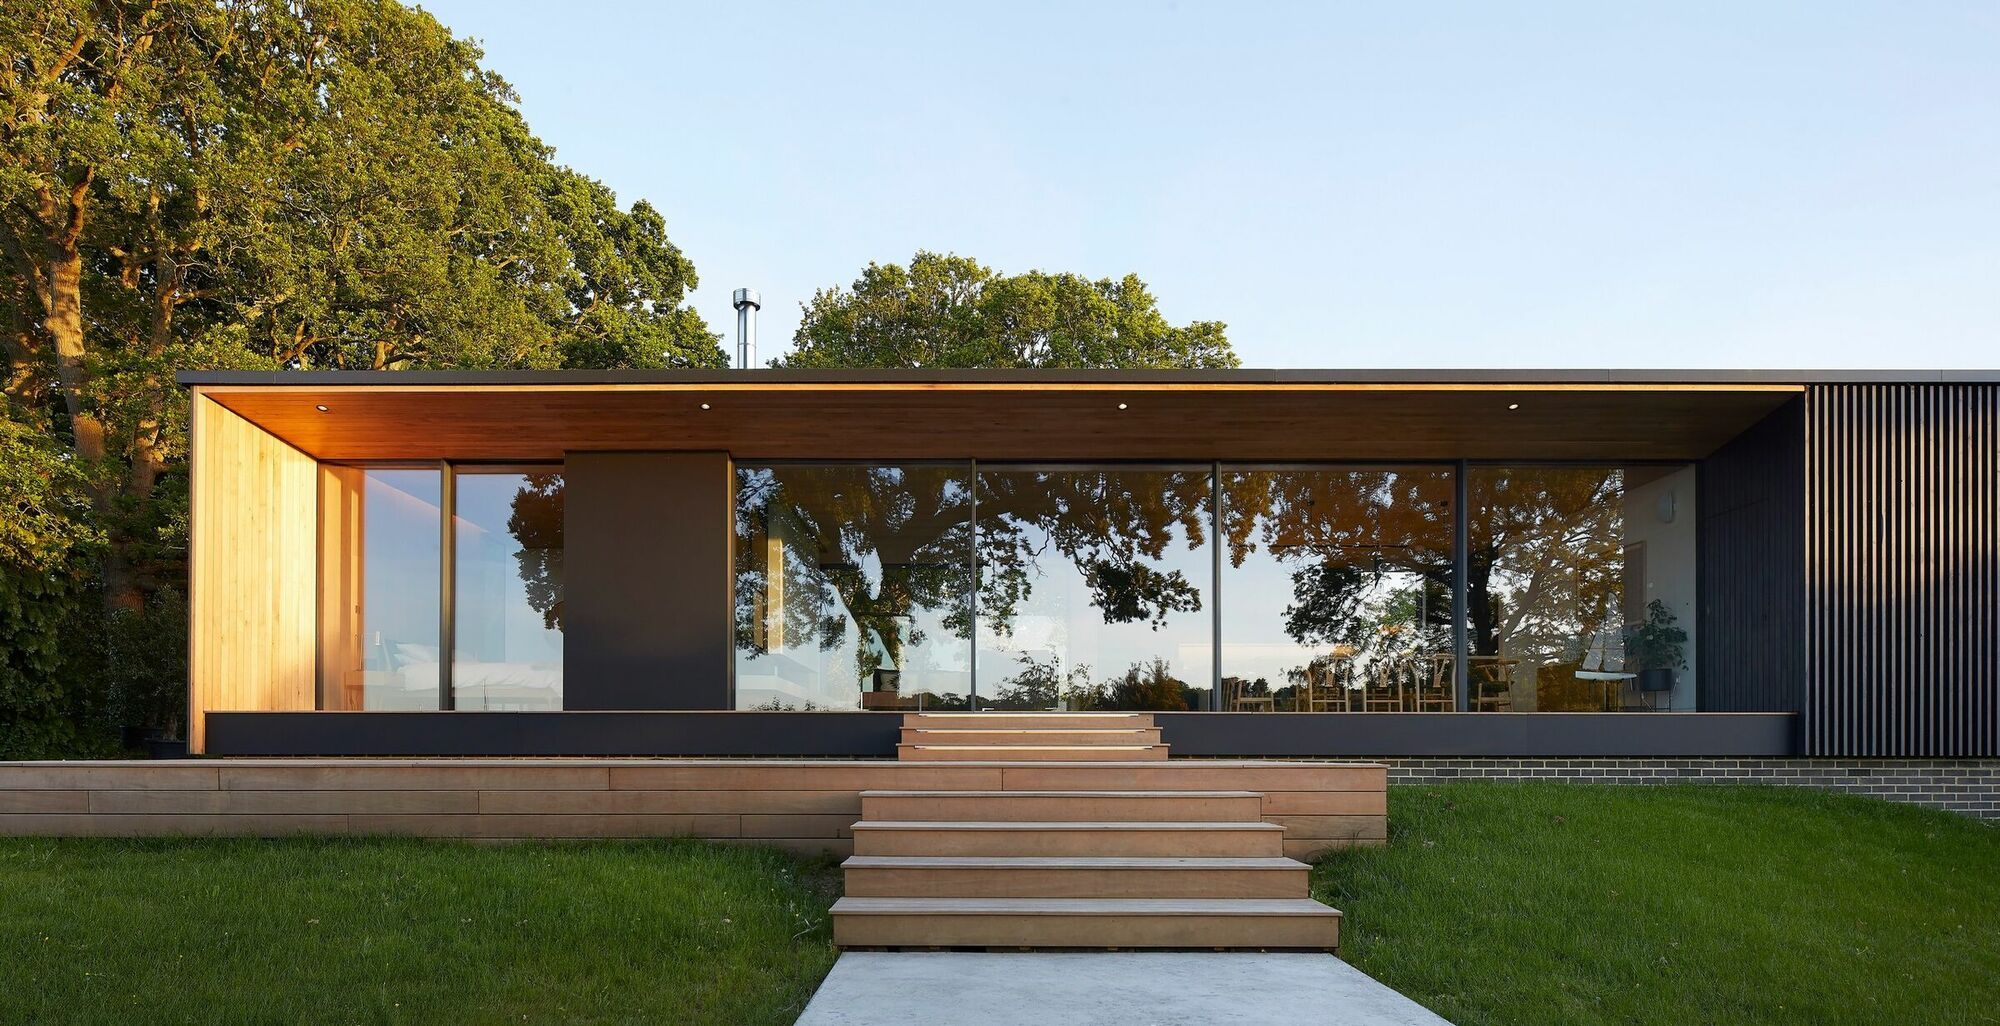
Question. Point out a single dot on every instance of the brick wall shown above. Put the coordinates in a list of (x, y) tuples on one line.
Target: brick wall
[(1969, 786)]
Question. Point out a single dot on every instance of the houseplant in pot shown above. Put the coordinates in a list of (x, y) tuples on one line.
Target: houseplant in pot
[(1657, 648)]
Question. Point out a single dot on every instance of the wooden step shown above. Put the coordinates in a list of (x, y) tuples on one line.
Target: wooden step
[(1201, 775), (1032, 736), (1031, 753), (1203, 923), (1063, 806), (915, 876), (1038, 721), (1149, 839)]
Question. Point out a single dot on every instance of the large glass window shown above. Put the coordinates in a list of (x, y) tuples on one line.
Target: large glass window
[(1094, 588), (380, 576), (942, 586), (1337, 589), (383, 604), (853, 586), (507, 630), (1580, 584)]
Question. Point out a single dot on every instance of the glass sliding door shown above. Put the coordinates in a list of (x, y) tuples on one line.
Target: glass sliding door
[(1047, 587), (1581, 587), (1337, 589), (383, 601), (381, 564), (853, 586), (1094, 588), (507, 590)]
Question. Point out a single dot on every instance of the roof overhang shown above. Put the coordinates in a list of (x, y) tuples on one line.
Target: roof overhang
[(1001, 416)]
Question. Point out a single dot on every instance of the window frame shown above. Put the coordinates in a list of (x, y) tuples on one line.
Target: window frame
[(448, 471)]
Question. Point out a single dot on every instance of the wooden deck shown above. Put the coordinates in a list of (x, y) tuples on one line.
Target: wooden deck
[(808, 806)]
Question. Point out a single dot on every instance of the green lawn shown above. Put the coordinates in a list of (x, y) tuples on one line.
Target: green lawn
[(352, 931), (1532, 904), (1551, 904)]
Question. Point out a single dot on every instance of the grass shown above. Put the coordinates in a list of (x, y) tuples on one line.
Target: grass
[(383, 931), (1494, 903), (1543, 904)]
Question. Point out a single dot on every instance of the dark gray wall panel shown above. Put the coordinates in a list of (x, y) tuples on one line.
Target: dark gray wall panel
[(867, 734), (1903, 570), (1752, 555), (553, 733), (1351, 735), (646, 617)]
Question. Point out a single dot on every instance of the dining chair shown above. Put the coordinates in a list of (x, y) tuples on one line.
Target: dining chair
[(1432, 676), (1241, 700), (1492, 683), (1324, 687), (1383, 691)]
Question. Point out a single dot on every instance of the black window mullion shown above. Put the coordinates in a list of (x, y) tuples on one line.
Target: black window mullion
[(1215, 593), (972, 600), (447, 551), (1460, 566)]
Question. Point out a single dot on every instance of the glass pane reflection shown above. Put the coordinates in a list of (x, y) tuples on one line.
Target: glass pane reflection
[(1581, 588), (853, 586), (380, 565), (1336, 589), (1094, 588), (507, 629)]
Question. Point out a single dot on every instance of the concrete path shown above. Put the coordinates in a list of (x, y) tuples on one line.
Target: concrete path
[(1113, 988)]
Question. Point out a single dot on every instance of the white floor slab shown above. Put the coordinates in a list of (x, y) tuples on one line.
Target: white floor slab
[(1114, 988)]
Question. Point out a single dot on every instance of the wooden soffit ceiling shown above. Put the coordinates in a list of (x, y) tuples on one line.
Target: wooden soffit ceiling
[(999, 421)]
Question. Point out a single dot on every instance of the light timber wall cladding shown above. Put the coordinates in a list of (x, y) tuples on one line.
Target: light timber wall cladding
[(251, 572), (808, 806), (1903, 571)]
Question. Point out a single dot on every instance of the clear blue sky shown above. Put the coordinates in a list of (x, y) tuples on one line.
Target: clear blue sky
[(1527, 185)]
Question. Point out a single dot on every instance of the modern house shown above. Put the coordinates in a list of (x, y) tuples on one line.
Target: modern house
[(1474, 564)]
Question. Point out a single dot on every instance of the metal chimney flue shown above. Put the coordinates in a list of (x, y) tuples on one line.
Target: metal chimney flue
[(748, 302)]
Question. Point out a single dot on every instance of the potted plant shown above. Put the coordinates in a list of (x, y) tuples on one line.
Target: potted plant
[(1657, 648)]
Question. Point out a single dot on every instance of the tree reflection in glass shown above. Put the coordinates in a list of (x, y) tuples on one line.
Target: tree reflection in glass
[(507, 627), (1093, 587), (1336, 588), (1554, 575), (852, 586)]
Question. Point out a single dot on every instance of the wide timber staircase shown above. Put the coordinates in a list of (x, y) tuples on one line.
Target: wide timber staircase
[(1077, 865)]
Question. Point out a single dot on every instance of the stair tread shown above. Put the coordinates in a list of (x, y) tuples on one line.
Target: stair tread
[(1065, 862), (898, 824), (1062, 794), (1028, 715), (1034, 748), (1086, 906), (1032, 730)]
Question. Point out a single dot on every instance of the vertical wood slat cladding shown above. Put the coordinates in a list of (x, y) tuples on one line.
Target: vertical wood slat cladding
[(1903, 570), (1752, 556), (251, 570)]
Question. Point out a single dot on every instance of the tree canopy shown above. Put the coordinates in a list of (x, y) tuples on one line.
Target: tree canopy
[(253, 184), (952, 311)]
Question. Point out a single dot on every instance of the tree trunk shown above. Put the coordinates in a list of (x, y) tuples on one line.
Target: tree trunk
[(1479, 603), (65, 329), (23, 364)]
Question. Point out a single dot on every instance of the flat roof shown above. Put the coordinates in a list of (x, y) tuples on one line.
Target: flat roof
[(1231, 376), (1001, 416)]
